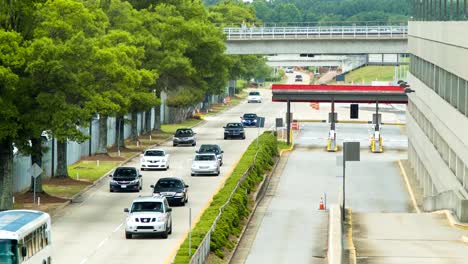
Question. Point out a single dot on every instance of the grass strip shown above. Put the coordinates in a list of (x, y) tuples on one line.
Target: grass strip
[(89, 171), (233, 217)]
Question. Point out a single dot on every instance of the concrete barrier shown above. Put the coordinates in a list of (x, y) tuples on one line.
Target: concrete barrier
[(335, 236)]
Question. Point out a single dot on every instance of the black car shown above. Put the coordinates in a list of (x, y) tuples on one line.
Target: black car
[(173, 188), (249, 120), (298, 78), (216, 149), (184, 136), (232, 130), (126, 179)]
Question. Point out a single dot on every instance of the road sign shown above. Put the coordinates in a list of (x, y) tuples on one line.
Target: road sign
[(35, 170), (351, 151), (260, 121), (279, 122)]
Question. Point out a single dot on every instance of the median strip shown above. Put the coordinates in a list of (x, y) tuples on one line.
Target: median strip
[(231, 205)]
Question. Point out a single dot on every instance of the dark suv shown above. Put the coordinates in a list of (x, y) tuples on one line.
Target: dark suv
[(234, 130), (215, 149), (184, 136), (173, 188), (126, 179), (249, 120)]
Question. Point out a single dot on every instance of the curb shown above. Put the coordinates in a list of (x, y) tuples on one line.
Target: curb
[(408, 187), (453, 221), (352, 248)]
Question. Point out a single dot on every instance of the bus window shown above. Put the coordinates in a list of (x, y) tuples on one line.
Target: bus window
[(8, 251)]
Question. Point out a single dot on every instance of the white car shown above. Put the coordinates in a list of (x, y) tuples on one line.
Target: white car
[(149, 215), (207, 164), (154, 159), (254, 97)]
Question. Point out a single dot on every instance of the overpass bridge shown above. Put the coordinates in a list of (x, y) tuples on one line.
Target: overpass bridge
[(340, 40)]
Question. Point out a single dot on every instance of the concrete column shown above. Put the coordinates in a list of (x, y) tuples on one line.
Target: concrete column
[(288, 122)]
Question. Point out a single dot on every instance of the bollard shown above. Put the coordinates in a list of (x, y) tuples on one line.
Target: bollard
[(97, 163), (118, 152), (138, 144), (150, 137), (38, 201), (77, 176), (13, 198)]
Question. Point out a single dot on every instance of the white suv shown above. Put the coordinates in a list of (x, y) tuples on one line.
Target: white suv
[(254, 96), (149, 215)]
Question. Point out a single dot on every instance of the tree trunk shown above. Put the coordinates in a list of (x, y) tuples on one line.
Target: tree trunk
[(102, 146), (36, 157), (119, 127), (62, 166), (134, 127), (148, 122), (157, 117), (6, 175)]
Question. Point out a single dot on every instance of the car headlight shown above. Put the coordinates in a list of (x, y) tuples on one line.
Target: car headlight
[(163, 160), (194, 167), (161, 218), (255, 121), (143, 160), (179, 194), (134, 181), (190, 138), (112, 181), (243, 120)]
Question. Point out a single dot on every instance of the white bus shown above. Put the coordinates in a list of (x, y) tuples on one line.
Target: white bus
[(25, 237)]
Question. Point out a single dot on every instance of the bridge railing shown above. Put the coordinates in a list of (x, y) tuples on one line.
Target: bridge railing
[(391, 31)]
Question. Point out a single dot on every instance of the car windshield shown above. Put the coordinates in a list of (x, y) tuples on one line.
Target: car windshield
[(184, 132), (154, 153), (234, 125), (208, 149), (147, 207), (298, 76), (250, 116), (204, 157), (8, 251), (169, 183), (254, 93), (125, 173)]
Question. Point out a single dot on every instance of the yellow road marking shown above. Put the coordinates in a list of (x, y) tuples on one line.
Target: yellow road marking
[(350, 237), (452, 221), (408, 187)]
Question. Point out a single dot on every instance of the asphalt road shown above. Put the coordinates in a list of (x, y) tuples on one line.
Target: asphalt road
[(290, 228), (92, 231)]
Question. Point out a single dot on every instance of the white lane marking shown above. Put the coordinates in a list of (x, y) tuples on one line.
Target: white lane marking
[(117, 229), (101, 244)]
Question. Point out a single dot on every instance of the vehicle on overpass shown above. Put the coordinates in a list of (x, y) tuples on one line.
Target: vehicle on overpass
[(184, 136), (234, 130), (289, 70), (154, 159), (206, 164), (254, 97), (25, 237), (149, 215), (212, 148), (249, 119), (126, 179), (173, 188)]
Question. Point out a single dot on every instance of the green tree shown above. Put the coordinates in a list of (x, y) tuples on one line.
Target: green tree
[(11, 60)]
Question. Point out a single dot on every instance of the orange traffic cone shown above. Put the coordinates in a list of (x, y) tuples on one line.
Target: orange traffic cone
[(321, 206)]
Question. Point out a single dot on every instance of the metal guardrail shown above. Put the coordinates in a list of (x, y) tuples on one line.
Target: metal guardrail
[(318, 32), (203, 250)]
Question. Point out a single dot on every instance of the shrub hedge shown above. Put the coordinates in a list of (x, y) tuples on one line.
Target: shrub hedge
[(238, 209)]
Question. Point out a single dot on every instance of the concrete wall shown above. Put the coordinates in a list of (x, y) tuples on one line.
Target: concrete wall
[(442, 43), (317, 46), (437, 130)]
